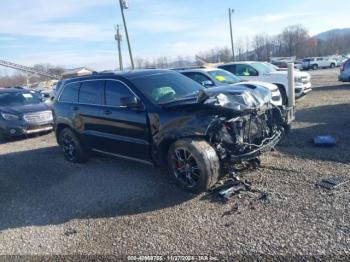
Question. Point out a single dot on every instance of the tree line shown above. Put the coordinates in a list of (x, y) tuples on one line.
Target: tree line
[(294, 40)]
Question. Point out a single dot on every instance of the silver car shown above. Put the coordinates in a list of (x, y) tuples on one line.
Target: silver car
[(344, 75)]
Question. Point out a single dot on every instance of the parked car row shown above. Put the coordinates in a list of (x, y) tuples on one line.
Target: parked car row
[(318, 62), (308, 63), (258, 71), (195, 121)]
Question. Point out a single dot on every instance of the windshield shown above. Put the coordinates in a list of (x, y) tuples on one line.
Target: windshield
[(165, 87), (18, 99), (273, 67), (262, 68), (224, 76)]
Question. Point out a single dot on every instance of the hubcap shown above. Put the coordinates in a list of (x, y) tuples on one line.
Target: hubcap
[(69, 148), (185, 168)]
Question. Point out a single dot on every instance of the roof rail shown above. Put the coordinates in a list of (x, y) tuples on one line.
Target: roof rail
[(188, 67)]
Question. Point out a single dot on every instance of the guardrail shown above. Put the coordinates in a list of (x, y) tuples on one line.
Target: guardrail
[(27, 69)]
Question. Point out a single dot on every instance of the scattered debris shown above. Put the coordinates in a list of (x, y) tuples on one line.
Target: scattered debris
[(233, 186), (70, 231), (332, 182), (264, 197), (230, 212), (326, 140)]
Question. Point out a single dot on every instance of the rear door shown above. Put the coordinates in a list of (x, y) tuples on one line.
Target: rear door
[(125, 129)]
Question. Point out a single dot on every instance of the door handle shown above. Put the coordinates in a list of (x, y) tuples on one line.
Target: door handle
[(75, 108), (107, 112)]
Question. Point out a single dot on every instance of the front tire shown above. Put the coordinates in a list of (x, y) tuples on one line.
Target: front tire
[(314, 67), (332, 65), (72, 148), (194, 165)]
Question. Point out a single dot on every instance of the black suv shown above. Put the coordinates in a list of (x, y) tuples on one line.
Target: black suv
[(161, 117)]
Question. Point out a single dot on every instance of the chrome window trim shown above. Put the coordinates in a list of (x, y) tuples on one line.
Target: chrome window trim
[(90, 80)]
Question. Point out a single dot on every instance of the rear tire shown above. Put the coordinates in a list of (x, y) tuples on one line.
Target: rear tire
[(71, 146), (194, 165), (332, 65), (314, 67)]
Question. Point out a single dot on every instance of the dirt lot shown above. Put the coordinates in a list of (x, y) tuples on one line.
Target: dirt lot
[(109, 206)]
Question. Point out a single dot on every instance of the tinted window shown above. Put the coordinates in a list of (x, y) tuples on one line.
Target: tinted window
[(230, 68), (115, 91), (198, 77), (91, 92), (319, 59), (70, 93), (245, 70)]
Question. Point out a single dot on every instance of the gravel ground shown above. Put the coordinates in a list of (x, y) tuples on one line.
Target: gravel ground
[(115, 207)]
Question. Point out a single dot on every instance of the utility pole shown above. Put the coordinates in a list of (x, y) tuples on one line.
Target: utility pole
[(124, 5), (230, 12), (118, 38)]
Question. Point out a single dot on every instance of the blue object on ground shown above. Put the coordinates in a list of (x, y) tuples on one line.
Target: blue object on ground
[(325, 140)]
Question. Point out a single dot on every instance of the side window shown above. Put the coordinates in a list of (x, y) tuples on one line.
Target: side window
[(70, 93), (319, 59), (198, 77), (245, 70), (116, 90), (91, 92), (229, 68)]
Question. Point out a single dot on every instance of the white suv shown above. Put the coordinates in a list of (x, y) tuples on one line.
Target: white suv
[(261, 72), (318, 62)]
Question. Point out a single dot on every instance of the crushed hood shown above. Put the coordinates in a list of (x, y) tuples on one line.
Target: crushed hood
[(238, 98)]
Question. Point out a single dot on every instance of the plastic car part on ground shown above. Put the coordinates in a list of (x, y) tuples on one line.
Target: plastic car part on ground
[(326, 140), (332, 182)]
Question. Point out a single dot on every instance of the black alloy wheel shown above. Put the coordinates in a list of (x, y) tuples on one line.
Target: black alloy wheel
[(185, 168)]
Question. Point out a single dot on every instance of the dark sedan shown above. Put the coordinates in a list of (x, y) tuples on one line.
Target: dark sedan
[(22, 112)]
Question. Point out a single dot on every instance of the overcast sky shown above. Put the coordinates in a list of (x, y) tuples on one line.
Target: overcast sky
[(75, 33)]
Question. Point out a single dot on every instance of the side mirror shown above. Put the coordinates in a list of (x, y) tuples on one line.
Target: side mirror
[(130, 102), (208, 83)]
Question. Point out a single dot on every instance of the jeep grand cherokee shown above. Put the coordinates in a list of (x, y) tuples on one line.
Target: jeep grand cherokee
[(162, 117)]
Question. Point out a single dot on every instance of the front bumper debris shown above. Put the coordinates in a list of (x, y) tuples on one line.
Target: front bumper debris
[(267, 146)]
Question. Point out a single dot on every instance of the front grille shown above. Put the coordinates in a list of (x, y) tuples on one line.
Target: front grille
[(38, 117)]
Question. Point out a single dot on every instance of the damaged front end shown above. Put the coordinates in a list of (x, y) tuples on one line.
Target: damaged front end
[(248, 124)]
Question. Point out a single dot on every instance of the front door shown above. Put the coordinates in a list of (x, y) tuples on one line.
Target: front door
[(125, 129)]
